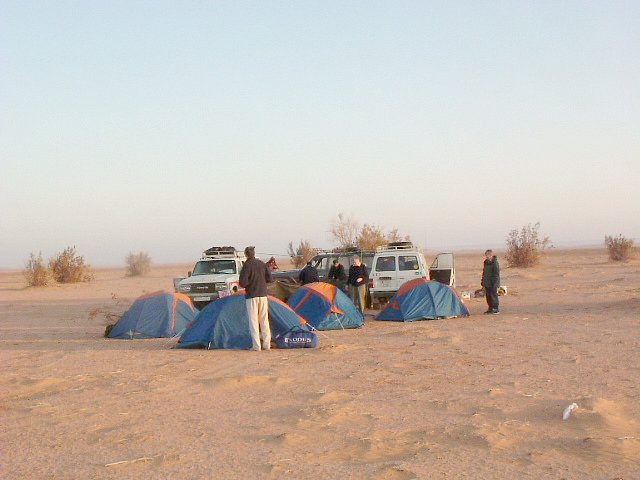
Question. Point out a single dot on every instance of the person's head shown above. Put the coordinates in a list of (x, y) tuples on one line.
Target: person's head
[(272, 259), (488, 254), (336, 262), (356, 261), (250, 252)]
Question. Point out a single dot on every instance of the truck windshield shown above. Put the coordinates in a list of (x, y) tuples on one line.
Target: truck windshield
[(212, 267)]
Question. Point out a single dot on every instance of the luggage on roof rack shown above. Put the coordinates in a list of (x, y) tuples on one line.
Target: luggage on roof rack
[(220, 251), (396, 246)]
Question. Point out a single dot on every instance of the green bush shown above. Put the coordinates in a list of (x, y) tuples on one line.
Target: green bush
[(67, 267), (620, 248)]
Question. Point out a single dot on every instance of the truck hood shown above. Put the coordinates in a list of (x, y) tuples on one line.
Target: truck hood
[(222, 277)]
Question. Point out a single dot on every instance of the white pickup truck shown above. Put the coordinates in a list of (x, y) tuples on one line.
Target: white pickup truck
[(400, 262), (215, 275)]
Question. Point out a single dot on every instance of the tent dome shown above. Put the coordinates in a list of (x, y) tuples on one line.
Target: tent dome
[(155, 315), (325, 307), (225, 324), (421, 299)]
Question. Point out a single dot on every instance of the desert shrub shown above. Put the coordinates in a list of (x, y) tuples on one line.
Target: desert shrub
[(67, 267), (348, 233), (138, 264), (36, 271), (525, 246), (301, 254), (344, 230), (620, 248)]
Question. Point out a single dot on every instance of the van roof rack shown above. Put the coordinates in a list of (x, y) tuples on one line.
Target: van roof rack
[(228, 252), (396, 246)]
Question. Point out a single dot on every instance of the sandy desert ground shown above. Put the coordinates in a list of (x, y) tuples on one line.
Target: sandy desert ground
[(477, 397)]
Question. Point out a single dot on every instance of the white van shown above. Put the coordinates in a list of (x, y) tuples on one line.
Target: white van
[(215, 275), (400, 262)]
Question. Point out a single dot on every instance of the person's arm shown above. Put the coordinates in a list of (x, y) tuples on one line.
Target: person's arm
[(267, 275), (243, 280)]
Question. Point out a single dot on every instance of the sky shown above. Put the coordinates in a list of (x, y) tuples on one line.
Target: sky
[(169, 127)]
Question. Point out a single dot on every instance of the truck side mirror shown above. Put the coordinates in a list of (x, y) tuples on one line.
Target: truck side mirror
[(188, 274)]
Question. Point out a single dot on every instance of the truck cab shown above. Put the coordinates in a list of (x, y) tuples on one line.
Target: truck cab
[(400, 262), (215, 275)]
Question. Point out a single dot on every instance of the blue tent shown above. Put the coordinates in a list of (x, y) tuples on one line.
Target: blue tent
[(154, 315), (225, 324), (421, 299), (325, 307)]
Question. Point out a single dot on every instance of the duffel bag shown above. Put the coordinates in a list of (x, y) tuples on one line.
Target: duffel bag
[(297, 339)]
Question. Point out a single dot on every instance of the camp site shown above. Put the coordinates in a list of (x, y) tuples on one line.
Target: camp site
[(404, 392), (319, 240)]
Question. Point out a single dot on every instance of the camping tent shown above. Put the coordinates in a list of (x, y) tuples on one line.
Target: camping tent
[(225, 324), (325, 307), (421, 299), (153, 315)]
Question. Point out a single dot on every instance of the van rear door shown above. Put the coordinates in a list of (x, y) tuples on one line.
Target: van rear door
[(442, 269), (384, 273), (408, 269)]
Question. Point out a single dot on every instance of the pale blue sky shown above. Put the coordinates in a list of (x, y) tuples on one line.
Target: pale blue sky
[(169, 127)]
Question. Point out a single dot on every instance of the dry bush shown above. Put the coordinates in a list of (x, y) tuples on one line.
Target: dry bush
[(373, 236), (344, 231), (138, 264), (347, 233), (67, 267), (620, 248), (524, 246), (36, 272), (370, 237), (301, 254)]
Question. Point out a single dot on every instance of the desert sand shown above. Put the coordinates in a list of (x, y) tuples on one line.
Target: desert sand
[(477, 397)]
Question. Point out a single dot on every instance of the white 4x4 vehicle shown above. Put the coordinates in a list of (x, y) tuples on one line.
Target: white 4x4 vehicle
[(400, 262), (215, 275)]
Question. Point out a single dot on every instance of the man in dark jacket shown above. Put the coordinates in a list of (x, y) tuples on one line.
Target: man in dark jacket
[(358, 280), (308, 274), (491, 281), (337, 275), (254, 277)]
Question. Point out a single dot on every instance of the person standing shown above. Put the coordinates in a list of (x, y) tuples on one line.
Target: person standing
[(358, 280), (308, 274), (491, 281), (254, 277), (272, 264), (337, 275)]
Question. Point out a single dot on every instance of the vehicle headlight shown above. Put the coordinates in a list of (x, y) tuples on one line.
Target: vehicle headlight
[(184, 288)]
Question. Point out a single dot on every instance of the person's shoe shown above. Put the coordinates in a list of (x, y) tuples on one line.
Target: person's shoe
[(488, 311), (495, 312)]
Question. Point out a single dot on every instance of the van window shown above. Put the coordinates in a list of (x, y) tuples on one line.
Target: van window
[(386, 264), (322, 265), (408, 262)]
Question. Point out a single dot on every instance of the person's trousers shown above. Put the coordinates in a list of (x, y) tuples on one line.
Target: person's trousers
[(491, 293), (358, 295), (258, 312)]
